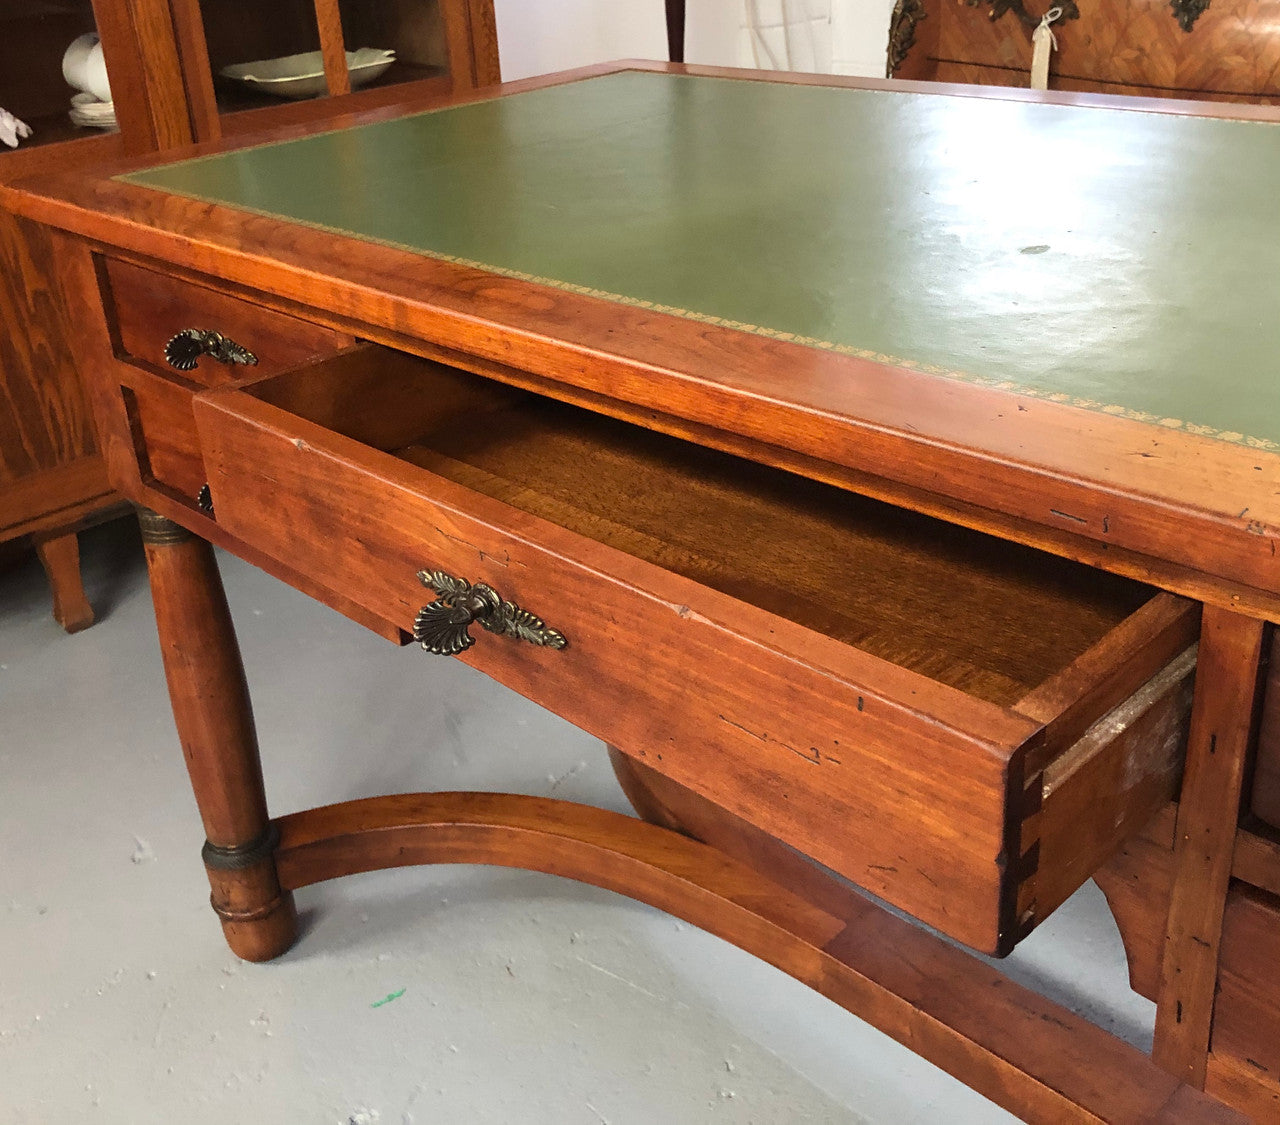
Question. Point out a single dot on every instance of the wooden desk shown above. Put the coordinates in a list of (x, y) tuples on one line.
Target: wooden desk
[(845, 456)]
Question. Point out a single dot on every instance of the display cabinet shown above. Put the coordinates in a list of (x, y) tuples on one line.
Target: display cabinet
[(249, 67), (164, 59), (52, 481)]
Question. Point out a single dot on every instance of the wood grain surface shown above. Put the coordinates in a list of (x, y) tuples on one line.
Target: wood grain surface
[(44, 419), (1134, 47)]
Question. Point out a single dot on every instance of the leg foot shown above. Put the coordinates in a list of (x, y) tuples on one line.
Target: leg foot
[(60, 557), (258, 919)]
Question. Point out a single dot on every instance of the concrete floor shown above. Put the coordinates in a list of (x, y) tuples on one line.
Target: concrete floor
[(518, 998)]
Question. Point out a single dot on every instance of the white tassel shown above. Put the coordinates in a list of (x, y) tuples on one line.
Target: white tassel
[(1045, 42)]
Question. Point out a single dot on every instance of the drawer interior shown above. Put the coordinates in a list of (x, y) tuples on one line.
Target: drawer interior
[(987, 617)]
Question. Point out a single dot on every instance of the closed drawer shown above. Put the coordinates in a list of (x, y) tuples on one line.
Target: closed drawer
[(146, 309), (964, 727)]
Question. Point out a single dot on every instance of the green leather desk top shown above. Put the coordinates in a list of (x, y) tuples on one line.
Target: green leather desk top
[(1123, 261)]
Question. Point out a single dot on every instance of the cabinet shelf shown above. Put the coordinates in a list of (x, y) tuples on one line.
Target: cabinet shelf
[(53, 129)]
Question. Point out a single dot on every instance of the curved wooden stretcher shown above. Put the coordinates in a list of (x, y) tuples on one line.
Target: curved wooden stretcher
[(944, 1004)]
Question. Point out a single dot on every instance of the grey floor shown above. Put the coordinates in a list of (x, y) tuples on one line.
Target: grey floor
[(447, 995)]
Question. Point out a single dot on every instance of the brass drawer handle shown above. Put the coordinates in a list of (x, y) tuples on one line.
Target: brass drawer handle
[(184, 350), (441, 626)]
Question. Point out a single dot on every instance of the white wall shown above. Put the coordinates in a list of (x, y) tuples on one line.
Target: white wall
[(860, 32), (539, 36)]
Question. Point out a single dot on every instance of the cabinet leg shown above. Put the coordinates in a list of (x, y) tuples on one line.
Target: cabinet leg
[(215, 726), (60, 557)]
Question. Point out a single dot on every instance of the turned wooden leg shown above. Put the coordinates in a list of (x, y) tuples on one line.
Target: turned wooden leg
[(60, 557), (215, 725)]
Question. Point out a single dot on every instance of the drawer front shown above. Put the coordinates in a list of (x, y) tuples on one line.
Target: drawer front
[(912, 789), (163, 430), (146, 309)]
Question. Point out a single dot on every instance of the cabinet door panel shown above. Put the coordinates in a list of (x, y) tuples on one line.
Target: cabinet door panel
[(45, 421)]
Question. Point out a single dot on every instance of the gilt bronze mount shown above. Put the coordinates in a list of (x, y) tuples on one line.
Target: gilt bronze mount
[(184, 350), (1186, 12), (441, 626), (998, 8)]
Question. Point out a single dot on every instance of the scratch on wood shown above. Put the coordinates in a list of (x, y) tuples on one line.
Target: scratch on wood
[(1067, 516), (502, 560), (761, 737), (685, 612)]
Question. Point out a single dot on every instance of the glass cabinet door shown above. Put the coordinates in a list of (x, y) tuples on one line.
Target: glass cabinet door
[(414, 30), (261, 54), (270, 56)]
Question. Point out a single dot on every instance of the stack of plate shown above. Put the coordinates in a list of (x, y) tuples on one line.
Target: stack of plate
[(90, 113)]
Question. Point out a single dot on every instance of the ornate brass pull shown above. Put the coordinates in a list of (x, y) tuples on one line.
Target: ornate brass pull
[(441, 626), (184, 350)]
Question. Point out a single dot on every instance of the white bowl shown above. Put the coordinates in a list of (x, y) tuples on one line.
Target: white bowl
[(302, 76)]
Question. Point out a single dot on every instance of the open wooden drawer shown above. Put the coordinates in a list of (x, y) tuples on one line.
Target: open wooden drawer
[(964, 727)]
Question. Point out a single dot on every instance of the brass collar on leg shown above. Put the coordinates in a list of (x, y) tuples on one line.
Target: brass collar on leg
[(158, 529), (246, 855)]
